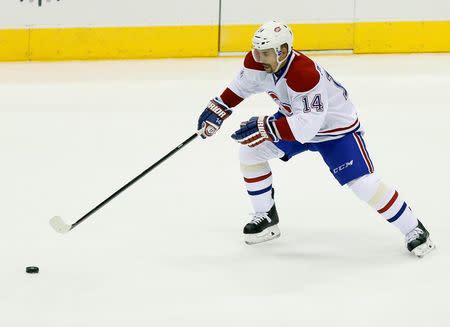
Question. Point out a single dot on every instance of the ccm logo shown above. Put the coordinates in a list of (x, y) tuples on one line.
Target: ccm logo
[(342, 167)]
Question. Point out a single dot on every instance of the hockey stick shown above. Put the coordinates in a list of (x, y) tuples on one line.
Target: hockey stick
[(60, 226)]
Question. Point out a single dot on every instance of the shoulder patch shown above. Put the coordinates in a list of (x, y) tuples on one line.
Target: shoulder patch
[(302, 75), (250, 63)]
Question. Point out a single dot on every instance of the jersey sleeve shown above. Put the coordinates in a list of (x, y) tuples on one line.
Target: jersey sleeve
[(309, 102), (246, 83)]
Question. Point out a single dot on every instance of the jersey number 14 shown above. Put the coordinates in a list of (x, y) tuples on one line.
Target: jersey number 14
[(315, 104)]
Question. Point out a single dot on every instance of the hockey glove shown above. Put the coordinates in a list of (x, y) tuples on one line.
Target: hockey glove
[(256, 131), (212, 118)]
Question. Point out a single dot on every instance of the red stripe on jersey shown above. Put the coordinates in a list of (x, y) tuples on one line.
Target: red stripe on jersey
[(230, 98), (250, 63), (390, 203), (340, 129), (284, 131), (302, 75), (257, 179)]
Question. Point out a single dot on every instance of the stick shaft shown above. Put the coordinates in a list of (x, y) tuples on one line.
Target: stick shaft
[(134, 180)]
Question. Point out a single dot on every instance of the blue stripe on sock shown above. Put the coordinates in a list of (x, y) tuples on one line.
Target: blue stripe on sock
[(402, 209), (267, 189)]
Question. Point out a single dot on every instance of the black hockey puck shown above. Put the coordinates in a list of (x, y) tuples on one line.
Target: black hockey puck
[(32, 270)]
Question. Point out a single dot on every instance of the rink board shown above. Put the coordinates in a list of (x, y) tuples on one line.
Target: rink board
[(205, 41)]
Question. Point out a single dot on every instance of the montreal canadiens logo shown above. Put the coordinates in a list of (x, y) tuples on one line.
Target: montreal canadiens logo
[(277, 29), (284, 107)]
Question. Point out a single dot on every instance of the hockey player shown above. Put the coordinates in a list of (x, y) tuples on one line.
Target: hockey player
[(315, 114)]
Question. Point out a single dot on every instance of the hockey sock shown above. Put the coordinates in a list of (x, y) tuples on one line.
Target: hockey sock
[(385, 200), (258, 181)]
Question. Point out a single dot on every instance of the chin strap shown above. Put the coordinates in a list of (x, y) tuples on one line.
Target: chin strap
[(281, 62)]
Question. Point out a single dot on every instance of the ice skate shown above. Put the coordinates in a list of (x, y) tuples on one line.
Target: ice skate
[(263, 227), (418, 241)]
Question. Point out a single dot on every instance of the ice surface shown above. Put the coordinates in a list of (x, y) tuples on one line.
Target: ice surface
[(169, 251)]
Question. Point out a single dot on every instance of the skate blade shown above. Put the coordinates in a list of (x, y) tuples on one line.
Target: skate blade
[(268, 234), (424, 248)]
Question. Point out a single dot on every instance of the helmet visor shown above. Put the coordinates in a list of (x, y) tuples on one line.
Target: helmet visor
[(266, 56)]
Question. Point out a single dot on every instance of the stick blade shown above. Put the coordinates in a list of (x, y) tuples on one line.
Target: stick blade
[(59, 225)]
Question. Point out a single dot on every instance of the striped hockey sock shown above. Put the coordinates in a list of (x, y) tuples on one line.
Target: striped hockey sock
[(393, 208), (386, 201), (258, 181)]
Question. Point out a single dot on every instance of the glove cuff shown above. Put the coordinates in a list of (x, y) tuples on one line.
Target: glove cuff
[(219, 108), (272, 129)]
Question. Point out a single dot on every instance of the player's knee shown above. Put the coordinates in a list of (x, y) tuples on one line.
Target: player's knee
[(248, 156), (259, 154), (255, 168), (365, 187), (251, 161)]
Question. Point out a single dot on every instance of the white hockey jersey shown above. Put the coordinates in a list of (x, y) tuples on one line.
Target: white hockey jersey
[(313, 106)]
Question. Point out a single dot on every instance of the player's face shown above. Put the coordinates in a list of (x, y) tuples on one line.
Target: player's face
[(267, 58)]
